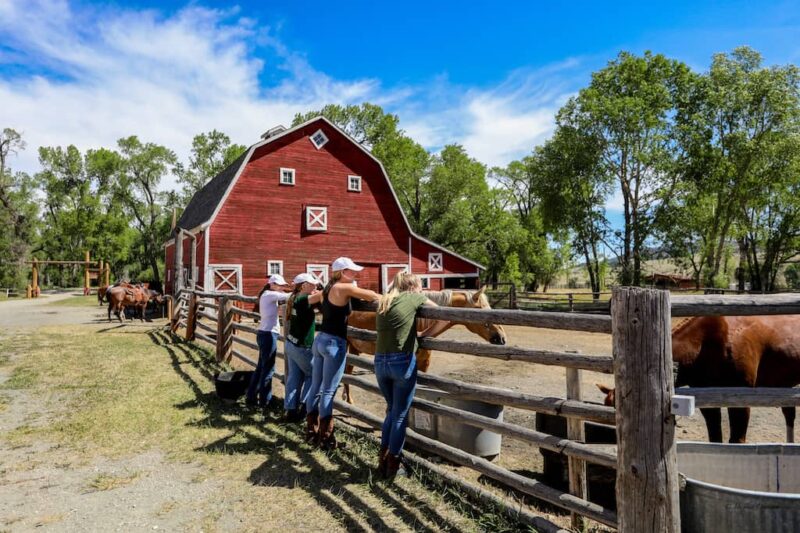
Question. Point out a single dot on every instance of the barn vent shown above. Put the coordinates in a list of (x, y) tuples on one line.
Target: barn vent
[(273, 132)]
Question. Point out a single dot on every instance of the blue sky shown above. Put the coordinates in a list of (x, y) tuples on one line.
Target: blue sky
[(487, 76)]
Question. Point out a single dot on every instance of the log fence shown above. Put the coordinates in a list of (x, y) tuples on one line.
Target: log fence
[(645, 456)]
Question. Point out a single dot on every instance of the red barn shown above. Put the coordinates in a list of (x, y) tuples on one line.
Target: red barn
[(296, 201)]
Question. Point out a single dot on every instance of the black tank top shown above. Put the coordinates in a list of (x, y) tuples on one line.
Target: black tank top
[(334, 317)]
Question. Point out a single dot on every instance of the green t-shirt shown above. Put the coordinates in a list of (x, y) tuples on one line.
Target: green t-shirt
[(301, 322), (397, 327)]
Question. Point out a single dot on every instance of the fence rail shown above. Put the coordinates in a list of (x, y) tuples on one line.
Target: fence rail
[(640, 325)]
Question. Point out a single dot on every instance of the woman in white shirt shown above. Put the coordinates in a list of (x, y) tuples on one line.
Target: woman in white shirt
[(259, 393)]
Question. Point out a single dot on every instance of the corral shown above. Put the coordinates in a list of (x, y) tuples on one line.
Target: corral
[(647, 483)]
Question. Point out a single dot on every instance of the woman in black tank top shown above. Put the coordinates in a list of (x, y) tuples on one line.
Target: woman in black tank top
[(330, 348)]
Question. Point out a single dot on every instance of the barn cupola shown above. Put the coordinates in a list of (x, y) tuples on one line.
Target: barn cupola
[(273, 132)]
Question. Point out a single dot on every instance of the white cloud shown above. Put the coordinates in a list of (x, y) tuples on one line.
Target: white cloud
[(95, 75)]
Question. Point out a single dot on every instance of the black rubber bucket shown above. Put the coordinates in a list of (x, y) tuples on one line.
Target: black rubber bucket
[(232, 385)]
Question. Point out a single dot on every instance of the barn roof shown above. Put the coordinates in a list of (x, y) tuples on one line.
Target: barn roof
[(206, 202)]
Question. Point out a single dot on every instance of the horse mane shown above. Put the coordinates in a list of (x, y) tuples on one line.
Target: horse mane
[(443, 298)]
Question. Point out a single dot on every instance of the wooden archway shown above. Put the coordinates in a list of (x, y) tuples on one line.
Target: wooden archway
[(102, 271)]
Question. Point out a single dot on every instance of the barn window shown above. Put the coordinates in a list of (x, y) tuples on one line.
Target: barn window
[(274, 267), (226, 278), (426, 283), (435, 262), (354, 183), (316, 218), (319, 139), (319, 270), (287, 176)]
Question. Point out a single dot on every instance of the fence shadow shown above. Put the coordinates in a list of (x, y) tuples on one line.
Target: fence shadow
[(334, 480)]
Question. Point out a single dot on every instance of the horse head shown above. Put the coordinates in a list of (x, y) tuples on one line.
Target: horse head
[(493, 333), (610, 394)]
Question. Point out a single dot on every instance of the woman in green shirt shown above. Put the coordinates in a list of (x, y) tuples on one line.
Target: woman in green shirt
[(396, 363), (299, 338)]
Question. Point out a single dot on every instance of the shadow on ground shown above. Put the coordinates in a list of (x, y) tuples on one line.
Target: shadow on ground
[(332, 479)]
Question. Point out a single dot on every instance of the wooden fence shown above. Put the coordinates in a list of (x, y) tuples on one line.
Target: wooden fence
[(645, 457)]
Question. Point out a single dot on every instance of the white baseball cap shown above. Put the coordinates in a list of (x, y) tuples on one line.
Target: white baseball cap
[(346, 263), (277, 279), (305, 277)]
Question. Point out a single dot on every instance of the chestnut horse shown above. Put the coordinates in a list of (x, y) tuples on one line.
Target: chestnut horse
[(127, 295), (492, 333), (736, 351)]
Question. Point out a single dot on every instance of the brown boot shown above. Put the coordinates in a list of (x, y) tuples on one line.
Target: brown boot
[(394, 467), (382, 457), (326, 437), (312, 427)]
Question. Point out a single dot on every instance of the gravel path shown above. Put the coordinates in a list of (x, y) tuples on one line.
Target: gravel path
[(41, 312)]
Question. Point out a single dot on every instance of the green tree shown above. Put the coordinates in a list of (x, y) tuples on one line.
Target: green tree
[(211, 153), (627, 109), (18, 212), (727, 124)]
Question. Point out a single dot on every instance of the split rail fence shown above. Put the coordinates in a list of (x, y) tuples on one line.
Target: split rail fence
[(645, 456)]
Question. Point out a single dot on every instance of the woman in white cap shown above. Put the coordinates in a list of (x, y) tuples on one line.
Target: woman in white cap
[(330, 348), (299, 339), (260, 390)]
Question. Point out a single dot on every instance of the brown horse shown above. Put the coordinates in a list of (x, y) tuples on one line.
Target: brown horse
[(127, 295), (492, 333), (101, 294), (736, 351)]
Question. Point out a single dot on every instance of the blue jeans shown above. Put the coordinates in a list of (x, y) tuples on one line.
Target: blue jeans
[(260, 388), (397, 378), (298, 375), (330, 356)]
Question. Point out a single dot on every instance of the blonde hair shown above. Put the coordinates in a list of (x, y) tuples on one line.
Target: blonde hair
[(403, 282)]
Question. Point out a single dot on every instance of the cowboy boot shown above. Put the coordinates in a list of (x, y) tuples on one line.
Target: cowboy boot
[(326, 437), (312, 427), (394, 467), (383, 455)]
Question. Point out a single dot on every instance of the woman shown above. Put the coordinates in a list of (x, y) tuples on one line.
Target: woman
[(299, 339), (396, 363), (330, 348), (260, 390)]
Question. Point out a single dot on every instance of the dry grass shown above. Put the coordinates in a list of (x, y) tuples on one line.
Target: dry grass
[(76, 301), (127, 390)]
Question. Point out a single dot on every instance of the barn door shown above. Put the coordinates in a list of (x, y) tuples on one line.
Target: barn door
[(225, 278), (388, 272)]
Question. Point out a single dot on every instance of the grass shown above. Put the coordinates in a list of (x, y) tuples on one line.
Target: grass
[(129, 390), (76, 301)]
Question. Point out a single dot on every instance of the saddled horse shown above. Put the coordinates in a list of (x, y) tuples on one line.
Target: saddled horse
[(101, 294), (495, 334), (736, 351), (128, 295)]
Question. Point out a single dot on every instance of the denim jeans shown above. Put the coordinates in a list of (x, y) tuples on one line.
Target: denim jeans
[(260, 388), (298, 375), (330, 356), (397, 378)]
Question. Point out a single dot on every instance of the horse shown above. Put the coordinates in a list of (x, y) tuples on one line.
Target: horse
[(471, 299), (101, 294), (735, 351), (127, 295)]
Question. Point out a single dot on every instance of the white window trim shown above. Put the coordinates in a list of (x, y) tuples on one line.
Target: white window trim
[(237, 272), (321, 218), (271, 262), (317, 267), (435, 262), (280, 176), (426, 282), (324, 137), (350, 184)]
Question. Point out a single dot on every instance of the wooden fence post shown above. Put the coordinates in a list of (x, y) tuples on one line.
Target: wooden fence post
[(224, 329), (193, 259), (177, 278), (647, 474), (512, 297), (191, 317), (575, 431)]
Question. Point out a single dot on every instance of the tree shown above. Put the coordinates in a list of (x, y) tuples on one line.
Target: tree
[(18, 213), (141, 168), (211, 153), (627, 110), (727, 122)]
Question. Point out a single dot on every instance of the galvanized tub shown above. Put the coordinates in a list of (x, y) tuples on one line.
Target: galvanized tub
[(739, 487)]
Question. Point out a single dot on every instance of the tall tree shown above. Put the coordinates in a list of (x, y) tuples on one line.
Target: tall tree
[(726, 124), (627, 108), (18, 212), (141, 169), (211, 153)]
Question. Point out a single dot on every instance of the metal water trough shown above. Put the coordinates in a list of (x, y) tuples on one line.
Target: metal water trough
[(739, 487)]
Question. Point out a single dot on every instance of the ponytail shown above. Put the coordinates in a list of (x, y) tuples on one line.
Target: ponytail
[(335, 277), (290, 301), (257, 306), (403, 282)]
